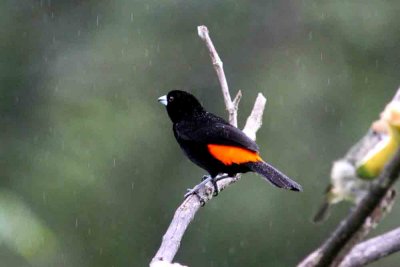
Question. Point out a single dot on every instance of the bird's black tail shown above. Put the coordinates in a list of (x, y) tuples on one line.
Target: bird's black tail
[(274, 176)]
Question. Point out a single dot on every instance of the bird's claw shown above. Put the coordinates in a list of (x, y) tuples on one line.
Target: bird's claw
[(205, 177), (194, 191), (214, 183), (190, 191)]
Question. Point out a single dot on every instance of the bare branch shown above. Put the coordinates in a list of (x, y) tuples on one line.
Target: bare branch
[(373, 249), (165, 264), (188, 209), (254, 121), (331, 248), (236, 100), (370, 223), (218, 66)]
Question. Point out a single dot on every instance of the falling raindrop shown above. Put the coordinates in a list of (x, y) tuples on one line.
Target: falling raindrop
[(114, 162), (310, 36), (97, 21), (76, 223), (131, 16)]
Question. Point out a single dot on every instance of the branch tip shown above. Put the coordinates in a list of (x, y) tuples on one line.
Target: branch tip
[(237, 99), (202, 31)]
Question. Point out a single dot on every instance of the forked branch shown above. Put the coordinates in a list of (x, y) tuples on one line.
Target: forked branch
[(188, 209)]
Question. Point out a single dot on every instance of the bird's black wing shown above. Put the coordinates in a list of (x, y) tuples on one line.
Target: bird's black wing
[(213, 130)]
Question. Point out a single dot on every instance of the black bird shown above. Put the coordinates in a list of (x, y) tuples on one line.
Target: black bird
[(215, 145)]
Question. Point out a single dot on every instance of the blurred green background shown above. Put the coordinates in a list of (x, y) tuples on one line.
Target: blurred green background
[(90, 171)]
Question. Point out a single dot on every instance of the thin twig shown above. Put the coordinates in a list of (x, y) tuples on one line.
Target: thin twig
[(254, 121), (187, 210), (231, 107), (373, 249)]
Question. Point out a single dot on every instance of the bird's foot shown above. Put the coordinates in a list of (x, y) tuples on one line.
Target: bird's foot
[(214, 183), (195, 190), (205, 177), (196, 193), (222, 177), (204, 181)]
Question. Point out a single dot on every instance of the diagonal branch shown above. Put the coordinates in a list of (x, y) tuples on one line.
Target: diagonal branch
[(373, 249), (331, 248), (188, 209), (362, 219)]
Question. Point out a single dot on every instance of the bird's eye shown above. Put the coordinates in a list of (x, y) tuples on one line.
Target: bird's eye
[(170, 99)]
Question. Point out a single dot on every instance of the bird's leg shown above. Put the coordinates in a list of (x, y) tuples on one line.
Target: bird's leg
[(215, 180), (222, 177), (194, 190), (205, 177)]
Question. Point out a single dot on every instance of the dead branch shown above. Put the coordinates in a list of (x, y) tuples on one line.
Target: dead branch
[(231, 106), (188, 209), (373, 249)]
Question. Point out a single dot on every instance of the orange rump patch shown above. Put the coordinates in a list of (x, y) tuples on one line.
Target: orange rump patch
[(232, 154)]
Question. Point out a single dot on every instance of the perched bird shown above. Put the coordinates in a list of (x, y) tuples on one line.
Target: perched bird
[(351, 175), (215, 145)]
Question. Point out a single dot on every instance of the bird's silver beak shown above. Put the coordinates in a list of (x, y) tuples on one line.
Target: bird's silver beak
[(163, 100)]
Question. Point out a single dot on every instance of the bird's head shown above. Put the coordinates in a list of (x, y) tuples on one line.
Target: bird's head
[(180, 105)]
